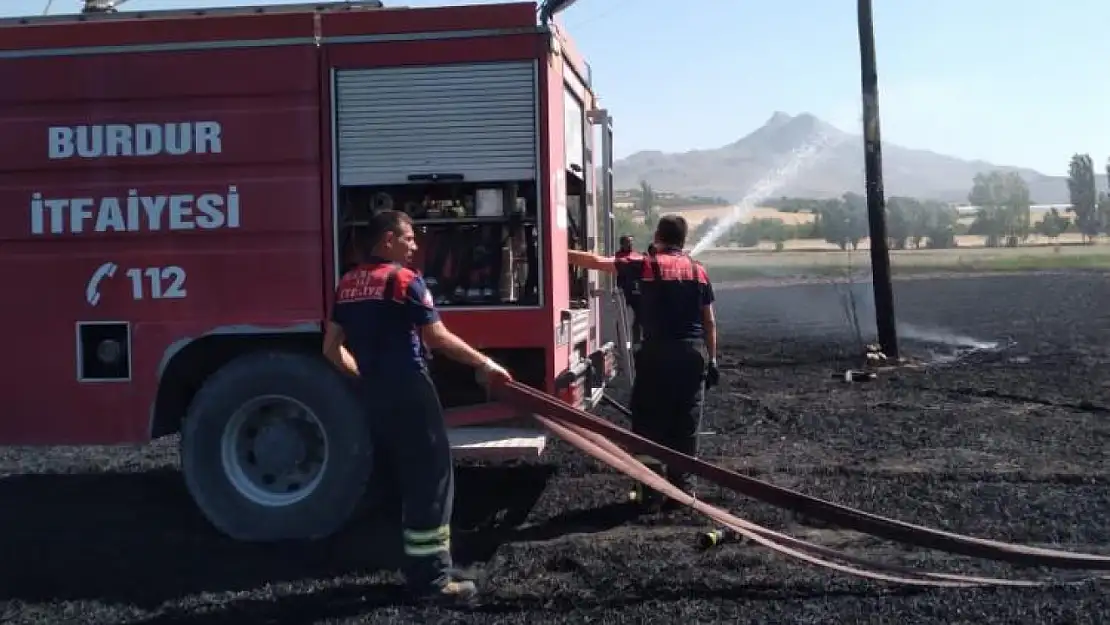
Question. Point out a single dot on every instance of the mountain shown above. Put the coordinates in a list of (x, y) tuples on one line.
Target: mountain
[(733, 170)]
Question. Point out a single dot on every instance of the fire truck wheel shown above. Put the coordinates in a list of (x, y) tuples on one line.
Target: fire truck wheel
[(274, 447)]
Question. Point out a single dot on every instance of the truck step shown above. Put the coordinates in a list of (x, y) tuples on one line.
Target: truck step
[(496, 443)]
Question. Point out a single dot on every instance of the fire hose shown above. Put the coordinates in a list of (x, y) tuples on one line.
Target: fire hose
[(604, 441)]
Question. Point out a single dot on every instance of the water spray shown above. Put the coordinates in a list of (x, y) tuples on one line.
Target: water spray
[(769, 184)]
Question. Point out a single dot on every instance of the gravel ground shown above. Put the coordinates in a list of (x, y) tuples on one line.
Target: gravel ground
[(1007, 444)]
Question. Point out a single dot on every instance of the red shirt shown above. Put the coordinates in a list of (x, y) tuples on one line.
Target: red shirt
[(673, 290)]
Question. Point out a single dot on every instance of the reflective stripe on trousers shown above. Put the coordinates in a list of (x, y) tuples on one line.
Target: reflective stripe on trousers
[(423, 543)]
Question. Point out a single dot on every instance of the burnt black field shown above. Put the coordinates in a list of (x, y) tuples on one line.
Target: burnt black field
[(1010, 443)]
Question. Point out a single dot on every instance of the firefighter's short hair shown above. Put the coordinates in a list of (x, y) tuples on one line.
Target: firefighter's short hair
[(671, 231), (383, 222)]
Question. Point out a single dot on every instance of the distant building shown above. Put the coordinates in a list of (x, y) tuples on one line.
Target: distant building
[(972, 211)]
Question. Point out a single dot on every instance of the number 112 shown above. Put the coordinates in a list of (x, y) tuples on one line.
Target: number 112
[(157, 276)]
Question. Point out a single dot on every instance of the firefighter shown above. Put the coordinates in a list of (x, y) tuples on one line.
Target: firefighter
[(385, 314), (677, 359), (629, 285)]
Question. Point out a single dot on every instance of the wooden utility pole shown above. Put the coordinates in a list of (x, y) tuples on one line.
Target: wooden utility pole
[(876, 202)]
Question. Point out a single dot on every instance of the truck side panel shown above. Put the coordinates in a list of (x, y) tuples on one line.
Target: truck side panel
[(574, 83), (553, 163), (174, 191)]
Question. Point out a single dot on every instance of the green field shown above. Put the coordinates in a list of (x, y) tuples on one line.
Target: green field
[(743, 264)]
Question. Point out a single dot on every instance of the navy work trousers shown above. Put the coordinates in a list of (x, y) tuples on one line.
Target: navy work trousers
[(667, 396), (634, 319), (410, 436)]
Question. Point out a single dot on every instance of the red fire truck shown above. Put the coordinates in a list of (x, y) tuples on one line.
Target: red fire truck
[(180, 193)]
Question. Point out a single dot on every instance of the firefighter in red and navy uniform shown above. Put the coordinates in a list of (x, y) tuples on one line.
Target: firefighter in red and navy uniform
[(385, 314), (629, 285), (677, 358)]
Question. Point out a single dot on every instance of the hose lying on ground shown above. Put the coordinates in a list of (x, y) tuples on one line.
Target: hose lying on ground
[(603, 435), (606, 451)]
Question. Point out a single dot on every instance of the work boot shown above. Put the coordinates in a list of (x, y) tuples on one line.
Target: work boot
[(453, 593)]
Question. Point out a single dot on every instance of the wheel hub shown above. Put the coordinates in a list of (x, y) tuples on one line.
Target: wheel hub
[(274, 451), (277, 449)]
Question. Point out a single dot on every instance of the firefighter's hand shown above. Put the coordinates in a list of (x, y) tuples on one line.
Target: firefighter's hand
[(712, 375), (492, 373)]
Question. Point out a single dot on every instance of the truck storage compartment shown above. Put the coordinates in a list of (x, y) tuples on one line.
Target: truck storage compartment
[(454, 147), (478, 244)]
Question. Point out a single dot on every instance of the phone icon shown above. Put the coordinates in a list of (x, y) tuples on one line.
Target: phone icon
[(92, 290)]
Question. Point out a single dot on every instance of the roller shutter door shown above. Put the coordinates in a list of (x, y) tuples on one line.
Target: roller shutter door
[(477, 120)]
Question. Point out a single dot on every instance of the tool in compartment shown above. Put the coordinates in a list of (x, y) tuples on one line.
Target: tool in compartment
[(475, 243), (469, 264)]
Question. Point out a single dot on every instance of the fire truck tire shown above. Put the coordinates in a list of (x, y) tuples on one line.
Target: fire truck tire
[(275, 447)]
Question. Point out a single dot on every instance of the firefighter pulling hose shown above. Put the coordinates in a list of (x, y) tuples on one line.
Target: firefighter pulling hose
[(386, 313)]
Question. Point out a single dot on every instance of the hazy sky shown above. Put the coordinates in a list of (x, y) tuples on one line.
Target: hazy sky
[(1016, 82)]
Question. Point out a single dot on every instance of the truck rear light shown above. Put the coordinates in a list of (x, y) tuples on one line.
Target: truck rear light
[(103, 351)]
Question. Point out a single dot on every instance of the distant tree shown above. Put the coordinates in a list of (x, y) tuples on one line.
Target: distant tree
[(773, 230), (1003, 201), (748, 235), (856, 212), (793, 204), (779, 203), (779, 235), (672, 200), (920, 221), (810, 230), (843, 222), (703, 229), (1018, 205), (816, 229), (1053, 225), (1104, 204), (834, 223), (897, 223), (751, 233), (939, 227), (646, 204), (1104, 210), (1083, 195), (735, 234)]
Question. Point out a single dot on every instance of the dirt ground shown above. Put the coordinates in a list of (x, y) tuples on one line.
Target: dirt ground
[(1009, 444)]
